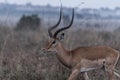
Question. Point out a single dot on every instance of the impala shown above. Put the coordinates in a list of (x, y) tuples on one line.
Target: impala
[(82, 59)]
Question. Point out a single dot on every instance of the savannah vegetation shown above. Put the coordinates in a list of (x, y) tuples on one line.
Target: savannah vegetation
[(21, 57)]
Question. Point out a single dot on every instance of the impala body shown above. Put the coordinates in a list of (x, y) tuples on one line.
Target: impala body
[(82, 59)]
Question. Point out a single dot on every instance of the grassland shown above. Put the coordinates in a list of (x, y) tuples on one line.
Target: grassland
[(21, 57)]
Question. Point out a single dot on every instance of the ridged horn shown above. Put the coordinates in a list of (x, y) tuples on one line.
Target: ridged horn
[(64, 28), (51, 28)]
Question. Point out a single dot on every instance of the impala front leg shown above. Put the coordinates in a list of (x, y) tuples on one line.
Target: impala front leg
[(74, 74)]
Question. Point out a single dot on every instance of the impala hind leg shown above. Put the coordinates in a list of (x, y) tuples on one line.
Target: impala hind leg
[(117, 74), (74, 74), (109, 69), (86, 76)]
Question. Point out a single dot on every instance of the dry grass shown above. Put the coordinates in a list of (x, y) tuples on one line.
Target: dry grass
[(21, 58)]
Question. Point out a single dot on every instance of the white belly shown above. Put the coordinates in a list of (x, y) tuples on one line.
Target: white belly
[(88, 65), (87, 69)]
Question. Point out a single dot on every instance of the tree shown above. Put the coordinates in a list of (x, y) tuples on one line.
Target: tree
[(31, 22)]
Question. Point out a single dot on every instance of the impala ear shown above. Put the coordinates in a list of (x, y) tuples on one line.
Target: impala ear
[(61, 36)]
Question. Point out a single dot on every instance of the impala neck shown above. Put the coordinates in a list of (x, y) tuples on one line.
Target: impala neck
[(63, 55)]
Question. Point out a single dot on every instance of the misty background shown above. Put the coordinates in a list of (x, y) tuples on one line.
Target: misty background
[(23, 33), (107, 11)]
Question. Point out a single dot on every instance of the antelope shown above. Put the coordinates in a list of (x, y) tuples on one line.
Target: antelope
[(82, 59)]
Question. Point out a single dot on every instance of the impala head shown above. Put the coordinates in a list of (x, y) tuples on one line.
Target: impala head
[(54, 39)]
